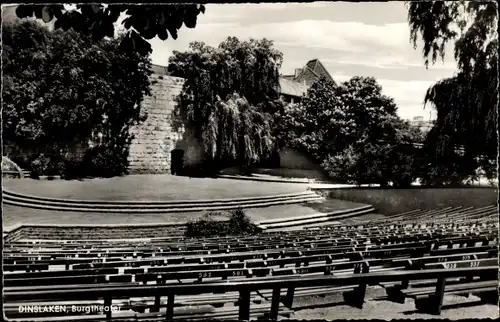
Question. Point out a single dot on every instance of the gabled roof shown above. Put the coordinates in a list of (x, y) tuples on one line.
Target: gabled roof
[(307, 76), (317, 67), (291, 88)]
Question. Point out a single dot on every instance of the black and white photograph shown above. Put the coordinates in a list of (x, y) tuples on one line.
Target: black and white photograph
[(317, 160)]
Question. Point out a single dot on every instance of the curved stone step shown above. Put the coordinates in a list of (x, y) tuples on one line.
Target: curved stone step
[(316, 215), (318, 219), (164, 209), (7, 194)]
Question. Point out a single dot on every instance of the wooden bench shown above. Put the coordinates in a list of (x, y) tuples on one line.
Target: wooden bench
[(426, 300), (200, 275), (27, 267), (243, 287), (417, 263), (60, 273), (399, 292), (60, 280)]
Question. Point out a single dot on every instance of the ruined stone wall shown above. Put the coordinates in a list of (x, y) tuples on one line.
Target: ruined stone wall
[(155, 138)]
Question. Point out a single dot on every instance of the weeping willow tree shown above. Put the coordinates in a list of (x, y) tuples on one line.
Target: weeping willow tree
[(234, 129), (238, 133), (466, 104)]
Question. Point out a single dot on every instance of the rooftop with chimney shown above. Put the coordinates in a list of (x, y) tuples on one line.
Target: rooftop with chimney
[(297, 84)]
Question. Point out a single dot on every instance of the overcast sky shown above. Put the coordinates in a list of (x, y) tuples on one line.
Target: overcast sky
[(350, 39)]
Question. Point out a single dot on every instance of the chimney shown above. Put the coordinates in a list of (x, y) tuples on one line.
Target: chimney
[(297, 71)]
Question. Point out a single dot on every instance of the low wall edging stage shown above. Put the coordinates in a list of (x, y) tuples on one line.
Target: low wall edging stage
[(394, 201)]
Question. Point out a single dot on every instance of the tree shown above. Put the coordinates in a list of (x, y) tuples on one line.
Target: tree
[(238, 133), (61, 88), (142, 21), (389, 157), (332, 117), (249, 69), (352, 130), (466, 104), (313, 125)]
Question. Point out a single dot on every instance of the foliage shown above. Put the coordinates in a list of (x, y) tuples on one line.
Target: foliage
[(444, 167), (232, 87), (238, 224), (373, 160), (62, 88), (105, 161), (330, 118), (96, 20), (237, 133), (466, 104), (39, 166), (313, 125), (353, 131)]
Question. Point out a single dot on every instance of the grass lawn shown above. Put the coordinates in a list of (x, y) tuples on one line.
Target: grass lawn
[(150, 187), (153, 187)]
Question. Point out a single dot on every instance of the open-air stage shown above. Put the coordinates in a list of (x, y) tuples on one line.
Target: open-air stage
[(149, 199)]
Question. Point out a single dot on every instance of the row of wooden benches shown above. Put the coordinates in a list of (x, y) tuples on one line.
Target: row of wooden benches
[(342, 252), (26, 262), (428, 298), (262, 243), (176, 271)]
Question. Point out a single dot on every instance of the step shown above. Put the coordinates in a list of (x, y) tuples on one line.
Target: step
[(166, 210), (11, 194), (62, 203), (318, 219), (329, 214)]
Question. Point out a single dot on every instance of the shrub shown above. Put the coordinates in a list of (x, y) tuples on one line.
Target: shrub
[(105, 161), (74, 169), (39, 166), (238, 224), (56, 166)]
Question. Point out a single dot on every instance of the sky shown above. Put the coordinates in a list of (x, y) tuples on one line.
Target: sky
[(350, 39)]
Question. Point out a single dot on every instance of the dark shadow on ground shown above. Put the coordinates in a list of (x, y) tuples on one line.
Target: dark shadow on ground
[(450, 306)]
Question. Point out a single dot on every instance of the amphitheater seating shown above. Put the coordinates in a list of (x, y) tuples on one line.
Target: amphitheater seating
[(421, 255)]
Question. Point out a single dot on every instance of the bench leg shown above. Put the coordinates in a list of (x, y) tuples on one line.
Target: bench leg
[(432, 304), (244, 304), (170, 307), (275, 304), (288, 301), (356, 297), (156, 306), (107, 306), (394, 294)]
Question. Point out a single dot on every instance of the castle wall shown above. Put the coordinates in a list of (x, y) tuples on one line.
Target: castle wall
[(155, 138)]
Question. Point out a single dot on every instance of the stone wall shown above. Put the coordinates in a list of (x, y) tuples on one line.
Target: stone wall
[(155, 138)]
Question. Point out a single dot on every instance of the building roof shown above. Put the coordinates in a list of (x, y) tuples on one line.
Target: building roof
[(296, 85), (292, 88), (317, 67)]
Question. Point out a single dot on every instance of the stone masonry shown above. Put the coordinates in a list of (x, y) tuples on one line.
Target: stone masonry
[(155, 138)]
